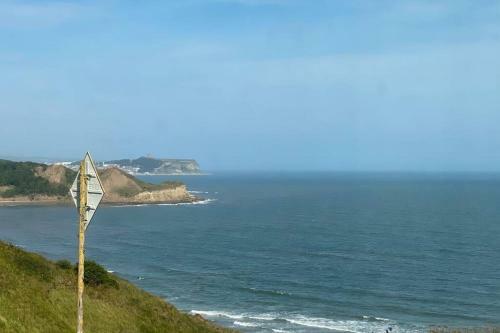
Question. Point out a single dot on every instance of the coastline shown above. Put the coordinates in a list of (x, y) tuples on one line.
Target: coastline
[(170, 174), (67, 202)]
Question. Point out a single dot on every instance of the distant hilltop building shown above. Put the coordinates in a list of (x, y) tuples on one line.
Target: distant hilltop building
[(151, 166)]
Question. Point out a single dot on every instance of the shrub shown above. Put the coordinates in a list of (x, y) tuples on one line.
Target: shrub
[(96, 275), (64, 264)]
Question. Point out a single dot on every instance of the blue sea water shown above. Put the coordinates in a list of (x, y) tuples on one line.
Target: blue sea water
[(301, 252)]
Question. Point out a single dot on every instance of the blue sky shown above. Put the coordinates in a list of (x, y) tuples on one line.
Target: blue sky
[(255, 84)]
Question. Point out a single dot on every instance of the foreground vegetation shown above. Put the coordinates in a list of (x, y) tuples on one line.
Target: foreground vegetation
[(20, 178), (38, 295)]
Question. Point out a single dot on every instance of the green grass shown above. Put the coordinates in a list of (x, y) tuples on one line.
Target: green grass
[(154, 187), (38, 295), (20, 178)]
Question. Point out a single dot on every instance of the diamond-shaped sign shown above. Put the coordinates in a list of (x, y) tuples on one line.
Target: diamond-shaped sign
[(95, 191)]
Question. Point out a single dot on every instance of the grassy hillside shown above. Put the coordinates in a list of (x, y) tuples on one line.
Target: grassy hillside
[(37, 295), (30, 179)]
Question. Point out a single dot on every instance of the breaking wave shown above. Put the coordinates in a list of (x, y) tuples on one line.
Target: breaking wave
[(283, 323), (199, 192), (217, 314), (200, 202), (245, 324)]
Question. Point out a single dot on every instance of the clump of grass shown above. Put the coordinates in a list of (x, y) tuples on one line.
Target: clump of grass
[(171, 184), (166, 185), (127, 192)]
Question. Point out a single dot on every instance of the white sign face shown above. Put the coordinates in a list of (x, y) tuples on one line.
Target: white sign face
[(95, 191)]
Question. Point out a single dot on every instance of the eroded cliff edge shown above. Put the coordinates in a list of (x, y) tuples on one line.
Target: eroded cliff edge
[(122, 188), (27, 182)]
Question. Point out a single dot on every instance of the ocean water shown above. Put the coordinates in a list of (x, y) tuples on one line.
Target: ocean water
[(301, 252)]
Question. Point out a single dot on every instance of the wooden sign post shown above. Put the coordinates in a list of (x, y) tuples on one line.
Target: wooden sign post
[(87, 192)]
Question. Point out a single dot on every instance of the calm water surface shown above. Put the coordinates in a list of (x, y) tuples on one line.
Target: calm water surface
[(319, 252)]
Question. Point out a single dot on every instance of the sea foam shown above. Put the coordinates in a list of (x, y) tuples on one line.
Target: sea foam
[(200, 202), (217, 314), (245, 324), (367, 324)]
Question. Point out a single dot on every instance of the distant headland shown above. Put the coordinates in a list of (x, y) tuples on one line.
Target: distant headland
[(31, 182), (148, 166)]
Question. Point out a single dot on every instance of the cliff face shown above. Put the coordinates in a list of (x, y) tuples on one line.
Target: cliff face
[(117, 182), (121, 187), (53, 173)]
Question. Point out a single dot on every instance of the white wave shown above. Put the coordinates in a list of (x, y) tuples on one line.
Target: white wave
[(245, 324), (110, 271), (266, 317), (367, 324), (382, 319), (263, 317), (355, 326), (347, 326), (376, 318), (200, 202), (199, 192), (277, 292), (277, 330), (218, 314)]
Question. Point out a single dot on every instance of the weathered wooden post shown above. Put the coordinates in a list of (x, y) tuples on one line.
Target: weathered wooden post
[(87, 192)]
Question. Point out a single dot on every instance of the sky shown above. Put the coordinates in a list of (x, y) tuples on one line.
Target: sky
[(255, 84)]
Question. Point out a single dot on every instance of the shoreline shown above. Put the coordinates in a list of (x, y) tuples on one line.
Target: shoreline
[(170, 174), (68, 202)]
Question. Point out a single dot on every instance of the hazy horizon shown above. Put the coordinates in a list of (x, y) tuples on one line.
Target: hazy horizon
[(255, 84), (47, 160)]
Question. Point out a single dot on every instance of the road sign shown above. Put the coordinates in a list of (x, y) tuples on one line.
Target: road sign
[(95, 190)]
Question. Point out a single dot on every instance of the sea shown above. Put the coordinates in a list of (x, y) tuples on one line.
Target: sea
[(300, 252)]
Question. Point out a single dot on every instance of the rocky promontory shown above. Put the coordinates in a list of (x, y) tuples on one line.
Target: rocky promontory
[(28, 182), (123, 188)]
